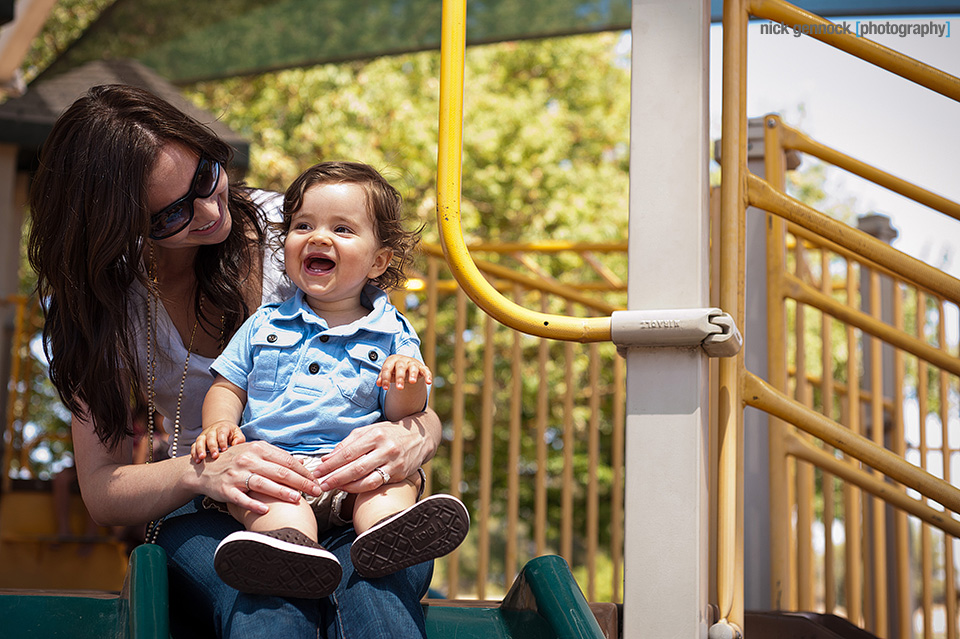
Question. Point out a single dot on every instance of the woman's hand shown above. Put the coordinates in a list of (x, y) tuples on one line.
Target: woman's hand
[(250, 468), (396, 448)]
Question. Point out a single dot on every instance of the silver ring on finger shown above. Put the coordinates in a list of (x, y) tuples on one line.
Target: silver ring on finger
[(384, 474), (246, 484)]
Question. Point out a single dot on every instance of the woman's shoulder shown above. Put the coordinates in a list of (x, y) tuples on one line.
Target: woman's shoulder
[(270, 203), (276, 286)]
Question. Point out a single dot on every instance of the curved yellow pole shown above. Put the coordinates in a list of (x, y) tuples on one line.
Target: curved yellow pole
[(449, 163)]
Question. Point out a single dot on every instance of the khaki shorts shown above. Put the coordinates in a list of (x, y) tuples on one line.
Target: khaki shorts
[(327, 506)]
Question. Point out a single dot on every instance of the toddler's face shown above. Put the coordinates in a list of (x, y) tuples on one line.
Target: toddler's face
[(331, 249)]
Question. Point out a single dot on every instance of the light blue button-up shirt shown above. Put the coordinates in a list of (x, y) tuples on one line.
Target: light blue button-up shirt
[(309, 385)]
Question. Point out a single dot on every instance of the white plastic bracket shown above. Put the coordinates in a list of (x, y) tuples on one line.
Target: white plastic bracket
[(709, 328)]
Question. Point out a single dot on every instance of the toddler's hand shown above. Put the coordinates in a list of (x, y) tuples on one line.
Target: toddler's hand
[(214, 440), (398, 369)]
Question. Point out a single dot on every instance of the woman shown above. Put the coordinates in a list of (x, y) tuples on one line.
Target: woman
[(148, 261)]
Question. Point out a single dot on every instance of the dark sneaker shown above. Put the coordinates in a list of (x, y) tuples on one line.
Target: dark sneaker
[(429, 529), (281, 563)]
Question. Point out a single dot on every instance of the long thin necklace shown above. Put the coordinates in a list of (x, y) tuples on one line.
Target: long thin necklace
[(154, 526)]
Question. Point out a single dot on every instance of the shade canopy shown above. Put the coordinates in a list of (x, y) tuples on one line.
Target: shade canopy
[(190, 41)]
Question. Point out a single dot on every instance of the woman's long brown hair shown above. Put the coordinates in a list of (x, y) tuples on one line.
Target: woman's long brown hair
[(89, 221)]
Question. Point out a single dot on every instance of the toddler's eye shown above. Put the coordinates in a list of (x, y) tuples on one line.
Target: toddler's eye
[(342, 229)]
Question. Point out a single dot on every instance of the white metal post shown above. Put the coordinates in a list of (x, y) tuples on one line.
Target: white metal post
[(666, 570)]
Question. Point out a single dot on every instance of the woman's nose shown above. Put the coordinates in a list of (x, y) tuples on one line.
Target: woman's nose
[(208, 207)]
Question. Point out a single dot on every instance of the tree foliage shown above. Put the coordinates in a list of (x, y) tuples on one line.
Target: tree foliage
[(545, 141)]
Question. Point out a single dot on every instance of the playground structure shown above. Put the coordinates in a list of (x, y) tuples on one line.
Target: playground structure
[(684, 510)]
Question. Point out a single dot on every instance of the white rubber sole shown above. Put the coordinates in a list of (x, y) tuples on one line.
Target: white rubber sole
[(281, 563)]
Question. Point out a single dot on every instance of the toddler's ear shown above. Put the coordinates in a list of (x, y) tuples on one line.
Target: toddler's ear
[(380, 263)]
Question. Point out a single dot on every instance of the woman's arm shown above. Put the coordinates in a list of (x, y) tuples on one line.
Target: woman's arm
[(399, 448), (118, 492)]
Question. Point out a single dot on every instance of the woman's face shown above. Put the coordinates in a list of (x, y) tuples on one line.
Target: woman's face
[(172, 178)]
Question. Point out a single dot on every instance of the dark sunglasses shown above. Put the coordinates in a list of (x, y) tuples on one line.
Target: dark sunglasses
[(174, 218)]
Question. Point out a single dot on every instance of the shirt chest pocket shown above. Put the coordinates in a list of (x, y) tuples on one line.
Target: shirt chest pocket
[(275, 355), (358, 372)]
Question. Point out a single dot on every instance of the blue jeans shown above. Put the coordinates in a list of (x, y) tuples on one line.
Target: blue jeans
[(201, 605)]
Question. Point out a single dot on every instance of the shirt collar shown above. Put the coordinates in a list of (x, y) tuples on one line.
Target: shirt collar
[(378, 319)]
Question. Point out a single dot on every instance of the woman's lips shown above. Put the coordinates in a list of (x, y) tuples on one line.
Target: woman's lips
[(215, 225)]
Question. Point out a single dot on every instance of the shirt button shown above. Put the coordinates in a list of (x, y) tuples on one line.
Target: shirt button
[(272, 337), (314, 368), (373, 355), (324, 338)]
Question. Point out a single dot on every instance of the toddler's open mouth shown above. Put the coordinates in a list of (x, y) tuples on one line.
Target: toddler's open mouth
[(318, 265)]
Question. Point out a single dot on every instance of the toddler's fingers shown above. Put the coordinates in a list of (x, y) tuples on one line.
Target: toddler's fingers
[(223, 439), (386, 374), (400, 373), (210, 445)]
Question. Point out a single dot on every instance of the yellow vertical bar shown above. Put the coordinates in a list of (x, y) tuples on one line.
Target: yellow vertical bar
[(714, 394), (901, 529), (851, 509), (780, 583), (616, 489), (593, 488), (569, 444), (486, 456), (804, 471), (430, 344), (450, 132), (513, 455), (878, 537), (12, 399), (790, 464), (827, 481), (543, 410), (456, 448), (950, 584), (926, 543), (433, 295)]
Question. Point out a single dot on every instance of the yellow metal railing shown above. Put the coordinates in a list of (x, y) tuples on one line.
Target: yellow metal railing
[(861, 435), (465, 271), (533, 393), (468, 274), (867, 589)]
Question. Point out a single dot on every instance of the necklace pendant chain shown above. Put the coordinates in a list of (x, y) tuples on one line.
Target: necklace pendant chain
[(153, 298)]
